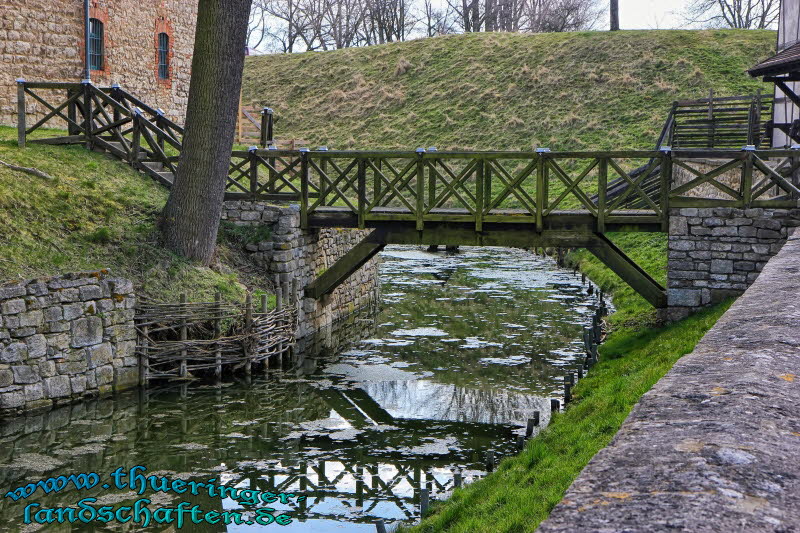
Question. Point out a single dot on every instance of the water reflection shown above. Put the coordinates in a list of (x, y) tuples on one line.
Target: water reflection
[(368, 414)]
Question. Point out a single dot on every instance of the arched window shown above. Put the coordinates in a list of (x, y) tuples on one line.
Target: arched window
[(163, 56), (96, 44)]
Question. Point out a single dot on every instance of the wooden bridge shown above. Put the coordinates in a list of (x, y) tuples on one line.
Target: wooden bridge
[(521, 199)]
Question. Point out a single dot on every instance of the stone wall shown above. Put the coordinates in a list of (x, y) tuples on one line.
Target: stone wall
[(65, 337), (42, 40), (293, 255), (716, 253)]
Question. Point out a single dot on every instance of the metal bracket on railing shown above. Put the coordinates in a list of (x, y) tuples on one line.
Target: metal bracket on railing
[(420, 151), (86, 82), (267, 111), (272, 147), (20, 80), (160, 112), (322, 149), (303, 150), (116, 86), (794, 147), (542, 150), (252, 149), (432, 149), (749, 148), (665, 149)]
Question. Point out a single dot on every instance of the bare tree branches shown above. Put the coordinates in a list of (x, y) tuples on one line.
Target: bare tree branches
[(743, 14), (299, 25)]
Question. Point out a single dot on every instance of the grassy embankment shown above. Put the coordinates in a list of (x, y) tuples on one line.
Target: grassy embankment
[(506, 91), (97, 213)]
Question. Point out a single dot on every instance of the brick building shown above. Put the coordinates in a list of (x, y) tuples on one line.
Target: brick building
[(143, 45)]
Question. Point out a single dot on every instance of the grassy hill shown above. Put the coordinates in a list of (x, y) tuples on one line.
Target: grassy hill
[(589, 90)]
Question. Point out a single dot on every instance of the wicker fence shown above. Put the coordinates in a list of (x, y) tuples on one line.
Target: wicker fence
[(188, 340)]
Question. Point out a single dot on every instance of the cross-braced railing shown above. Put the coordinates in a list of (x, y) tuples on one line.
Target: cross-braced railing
[(362, 188)]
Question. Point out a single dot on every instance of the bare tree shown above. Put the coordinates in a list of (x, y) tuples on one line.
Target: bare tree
[(437, 21), (743, 14)]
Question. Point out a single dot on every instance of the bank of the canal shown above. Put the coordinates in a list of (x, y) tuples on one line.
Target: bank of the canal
[(423, 395), (525, 488)]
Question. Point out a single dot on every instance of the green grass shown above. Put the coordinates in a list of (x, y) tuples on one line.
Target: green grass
[(99, 213), (588, 90)]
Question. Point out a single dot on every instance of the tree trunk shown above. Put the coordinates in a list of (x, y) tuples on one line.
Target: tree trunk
[(191, 217), (614, 15)]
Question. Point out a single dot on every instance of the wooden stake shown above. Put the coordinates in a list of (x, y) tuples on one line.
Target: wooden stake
[(248, 324), (144, 361), (184, 335), (217, 335), (555, 405)]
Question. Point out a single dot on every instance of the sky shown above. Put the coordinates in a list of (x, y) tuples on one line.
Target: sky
[(651, 14)]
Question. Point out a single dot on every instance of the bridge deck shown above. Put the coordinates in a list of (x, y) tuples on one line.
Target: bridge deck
[(629, 219)]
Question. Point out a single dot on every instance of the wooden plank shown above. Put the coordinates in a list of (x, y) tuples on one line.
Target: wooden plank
[(345, 266), (639, 280)]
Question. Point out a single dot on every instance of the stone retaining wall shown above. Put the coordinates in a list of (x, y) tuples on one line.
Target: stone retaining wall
[(297, 257), (716, 253), (65, 337)]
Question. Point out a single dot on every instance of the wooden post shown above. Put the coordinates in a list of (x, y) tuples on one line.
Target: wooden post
[(21, 127), (424, 501), (490, 461), (380, 527), (217, 335), (432, 180), (144, 359), (420, 207), (136, 138), (362, 192), (479, 194), (747, 178), (266, 127), (278, 293), (184, 333), (555, 405), (540, 178), (457, 478), (253, 172), (87, 109), (248, 324), (666, 184), (304, 188), (264, 310), (602, 190)]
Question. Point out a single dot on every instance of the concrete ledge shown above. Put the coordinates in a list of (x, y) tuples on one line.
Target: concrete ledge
[(715, 445)]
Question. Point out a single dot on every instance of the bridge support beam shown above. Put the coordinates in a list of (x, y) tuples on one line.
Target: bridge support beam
[(345, 266), (631, 273)]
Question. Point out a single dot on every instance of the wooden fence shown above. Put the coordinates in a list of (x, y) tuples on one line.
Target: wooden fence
[(186, 340)]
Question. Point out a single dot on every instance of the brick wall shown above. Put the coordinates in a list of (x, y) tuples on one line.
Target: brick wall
[(293, 254), (717, 253), (42, 40), (65, 337)]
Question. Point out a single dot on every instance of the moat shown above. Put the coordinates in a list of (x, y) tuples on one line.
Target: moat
[(427, 392)]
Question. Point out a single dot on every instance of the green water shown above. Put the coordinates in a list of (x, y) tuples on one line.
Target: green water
[(465, 348)]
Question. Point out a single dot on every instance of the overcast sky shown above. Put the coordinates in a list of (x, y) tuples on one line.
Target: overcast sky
[(651, 14)]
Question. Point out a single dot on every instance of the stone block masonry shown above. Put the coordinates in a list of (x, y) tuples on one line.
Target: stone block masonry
[(713, 446), (65, 337), (292, 254), (716, 253)]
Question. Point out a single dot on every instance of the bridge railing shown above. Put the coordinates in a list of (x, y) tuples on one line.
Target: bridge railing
[(516, 187), (427, 185)]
